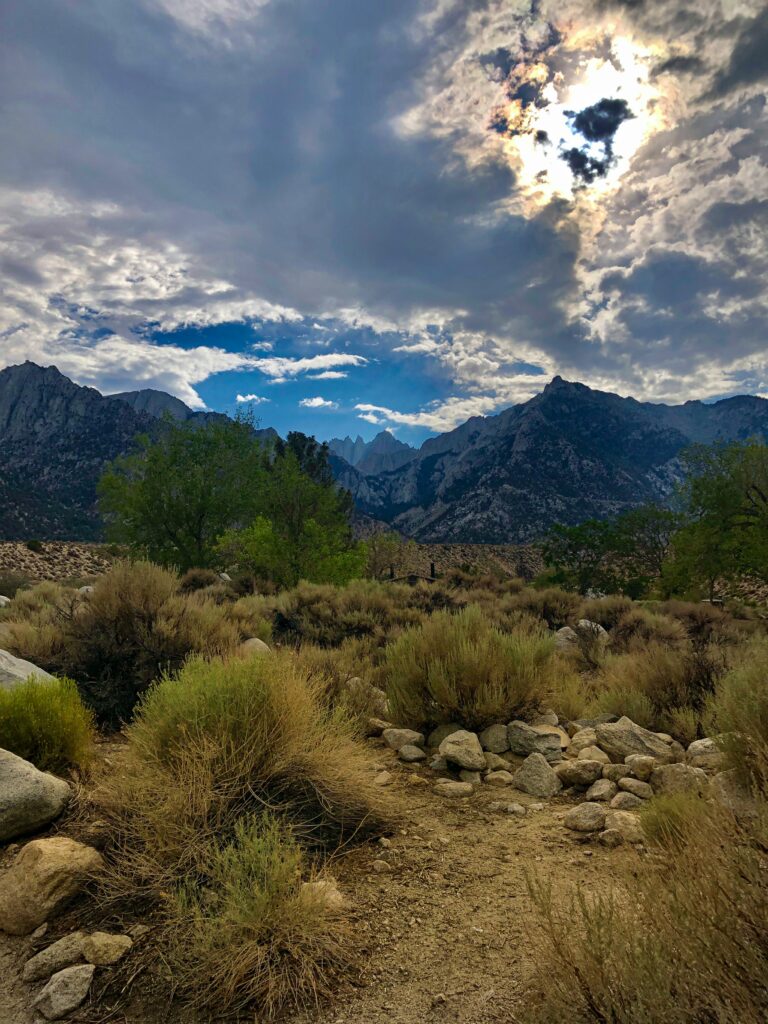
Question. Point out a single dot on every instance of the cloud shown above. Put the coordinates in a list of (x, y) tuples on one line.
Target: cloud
[(188, 176), (283, 368), (253, 399), (317, 403)]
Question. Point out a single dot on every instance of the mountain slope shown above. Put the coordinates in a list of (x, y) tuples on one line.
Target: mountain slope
[(568, 454), (54, 440)]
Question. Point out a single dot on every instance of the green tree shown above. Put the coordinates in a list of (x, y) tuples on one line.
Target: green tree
[(578, 554), (301, 527), (173, 497)]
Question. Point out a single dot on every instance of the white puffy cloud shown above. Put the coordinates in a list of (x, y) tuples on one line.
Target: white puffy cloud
[(318, 403), (252, 399), (283, 368)]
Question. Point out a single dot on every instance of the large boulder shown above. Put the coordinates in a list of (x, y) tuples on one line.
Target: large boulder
[(14, 671), (580, 773), (566, 639), (705, 754), (679, 778), (4, 601), (586, 737), (463, 749), (536, 776), (494, 739), (105, 948), (65, 992), (626, 824), (439, 733), (29, 799), (253, 645), (524, 739), (622, 738), (44, 877), (601, 791), (592, 632)]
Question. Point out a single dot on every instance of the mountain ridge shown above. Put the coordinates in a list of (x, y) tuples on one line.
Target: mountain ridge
[(567, 454)]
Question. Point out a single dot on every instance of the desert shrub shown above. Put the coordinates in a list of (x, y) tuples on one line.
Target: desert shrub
[(229, 766), (12, 583), (458, 667), (739, 713), (638, 627), (685, 942), (117, 639), (253, 936), (661, 688), (557, 607), (35, 546), (198, 579), (349, 675), (671, 820), (704, 623), (606, 611), (569, 692), (46, 723)]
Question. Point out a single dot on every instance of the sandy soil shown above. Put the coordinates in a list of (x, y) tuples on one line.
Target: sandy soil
[(442, 936)]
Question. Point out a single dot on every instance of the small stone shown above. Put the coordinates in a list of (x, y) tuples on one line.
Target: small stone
[(535, 776), (104, 949), (500, 778), (253, 645), (679, 778), (382, 779), (397, 738), (587, 817), (518, 810), (593, 754), (494, 739), (64, 953), (637, 788), (625, 802), (65, 991), (586, 737), (463, 749), (438, 764), (381, 867), (603, 790), (327, 892), (641, 765), (454, 790), (411, 754), (547, 717), (611, 838), (579, 772), (376, 726), (626, 824), (474, 778), (614, 772), (494, 763), (138, 931), (29, 799)]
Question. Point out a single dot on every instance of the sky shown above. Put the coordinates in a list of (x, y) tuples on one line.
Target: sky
[(355, 215)]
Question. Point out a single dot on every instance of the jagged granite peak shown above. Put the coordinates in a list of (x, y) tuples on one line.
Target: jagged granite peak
[(156, 403), (382, 454), (568, 454)]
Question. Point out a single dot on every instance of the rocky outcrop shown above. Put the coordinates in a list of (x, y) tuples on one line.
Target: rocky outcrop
[(16, 670), (29, 799)]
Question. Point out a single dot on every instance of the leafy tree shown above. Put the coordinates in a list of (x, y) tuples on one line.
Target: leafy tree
[(579, 555), (301, 528), (176, 494), (388, 549), (725, 496)]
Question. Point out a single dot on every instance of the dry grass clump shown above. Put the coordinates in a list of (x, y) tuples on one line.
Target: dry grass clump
[(232, 769), (198, 579), (661, 688), (687, 941), (114, 641), (739, 713), (557, 607), (638, 627), (45, 722), (458, 667), (349, 675), (605, 611)]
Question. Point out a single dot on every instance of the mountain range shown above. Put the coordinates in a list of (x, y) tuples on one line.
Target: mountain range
[(568, 454)]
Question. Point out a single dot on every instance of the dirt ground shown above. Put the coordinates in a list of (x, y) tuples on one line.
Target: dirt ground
[(442, 936)]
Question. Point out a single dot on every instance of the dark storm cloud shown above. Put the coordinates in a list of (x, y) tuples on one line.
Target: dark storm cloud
[(680, 65), (748, 62), (597, 124)]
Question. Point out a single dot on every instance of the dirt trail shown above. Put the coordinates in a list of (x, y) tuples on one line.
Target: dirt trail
[(443, 935)]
